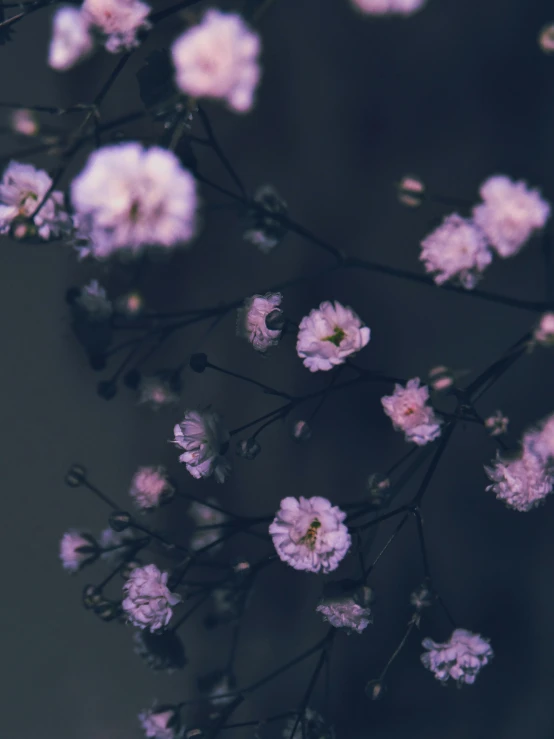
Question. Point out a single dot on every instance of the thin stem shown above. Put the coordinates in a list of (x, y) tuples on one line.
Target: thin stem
[(219, 151)]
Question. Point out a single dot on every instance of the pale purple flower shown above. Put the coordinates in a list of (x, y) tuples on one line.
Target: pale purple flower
[(71, 39), (119, 21), (386, 7), (328, 335), (150, 487), (158, 391), (460, 658), (161, 722), (409, 412), (148, 602), (346, 608), (129, 198), (497, 423), (204, 515), (94, 301), (456, 251), (25, 122), (77, 549), (218, 58), (521, 481), (251, 321), (510, 213), (546, 38), (205, 441), (544, 332), (309, 534), (22, 189)]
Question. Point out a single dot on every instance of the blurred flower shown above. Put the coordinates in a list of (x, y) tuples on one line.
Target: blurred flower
[(266, 232), (510, 213), (149, 602), (497, 423), (441, 378), (218, 58), (204, 439), (162, 722), (522, 481), (159, 390), (546, 38), (251, 322), (24, 121), (150, 487), (130, 305), (408, 410), (309, 534), (204, 515), (301, 431), (94, 301), (411, 191), (328, 335), (71, 39), (128, 198), (460, 658), (77, 549), (22, 189), (544, 332), (457, 251), (539, 440), (385, 7), (118, 20)]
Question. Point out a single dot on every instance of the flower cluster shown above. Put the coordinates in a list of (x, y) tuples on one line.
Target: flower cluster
[(148, 602), (309, 534), (150, 487), (252, 321), (218, 58), (205, 441), (408, 410), (328, 335), (460, 658)]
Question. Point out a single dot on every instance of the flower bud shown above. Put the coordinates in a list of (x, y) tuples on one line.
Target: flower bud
[(411, 191), (301, 431), (91, 596), (119, 520), (198, 362), (76, 475), (248, 448), (126, 569), (378, 486), (375, 690), (441, 378), (422, 597), (106, 389), (107, 610)]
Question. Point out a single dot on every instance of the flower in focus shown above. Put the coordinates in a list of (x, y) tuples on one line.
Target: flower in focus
[(510, 213), (251, 321), (71, 39), (385, 7), (309, 534), (266, 232), (77, 549), (497, 423), (148, 602), (456, 250), (94, 301), (150, 487), (119, 21), (523, 481), (310, 726), (204, 515), (328, 335), (408, 410), (22, 189), (159, 390), (162, 722), (544, 332), (129, 198), (460, 658), (346, 607), (205, 441), (218, 58)]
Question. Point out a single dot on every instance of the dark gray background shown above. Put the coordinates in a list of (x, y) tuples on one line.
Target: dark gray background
[(347, 105)]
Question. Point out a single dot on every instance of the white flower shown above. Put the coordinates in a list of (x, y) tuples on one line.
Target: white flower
[(77, 549), (523, 481), (311, 726), (384, 7), (22, 189), (150, 487), (204, 440), (346, 608), (158, 391), (460, 658), (408, 410), (129, 198), (71, 39), (497, 423), (509, 214), (204, 515), (309, 534), (218, 58), (328, 335), (94, 301), (118, 20), (148, 602), (251, 322), (544, 332), (161, 723), (456, 250)]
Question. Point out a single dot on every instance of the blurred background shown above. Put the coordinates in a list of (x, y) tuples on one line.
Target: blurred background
[(347, 105)]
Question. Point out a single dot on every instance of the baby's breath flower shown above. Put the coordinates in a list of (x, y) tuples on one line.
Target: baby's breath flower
[(148, 602), (328, 335), (497, 423), (251, 321), (161, 722), (205, 441), (540, 441), (509, 214), (159, 390), (77, 549), (218, 58), (94, 301), (521, 481), (346, 607), (460, 658), (544, 332), (150, 487), (119, 21), (71, 39), (408, 410), (25, 122), (309, 534)]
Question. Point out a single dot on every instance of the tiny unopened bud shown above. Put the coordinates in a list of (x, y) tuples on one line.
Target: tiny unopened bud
[(119, 520), (275, 321), (248, 448), (198, 362), (128, 567), (377, 486), (107, 611), (422, 597), (375, 690), (75, 476), (25, 122), (441, 378), (91, 596), (411, 191), (546, 38), (301, 431), (106, 389), (241, 567), (497, 423)]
